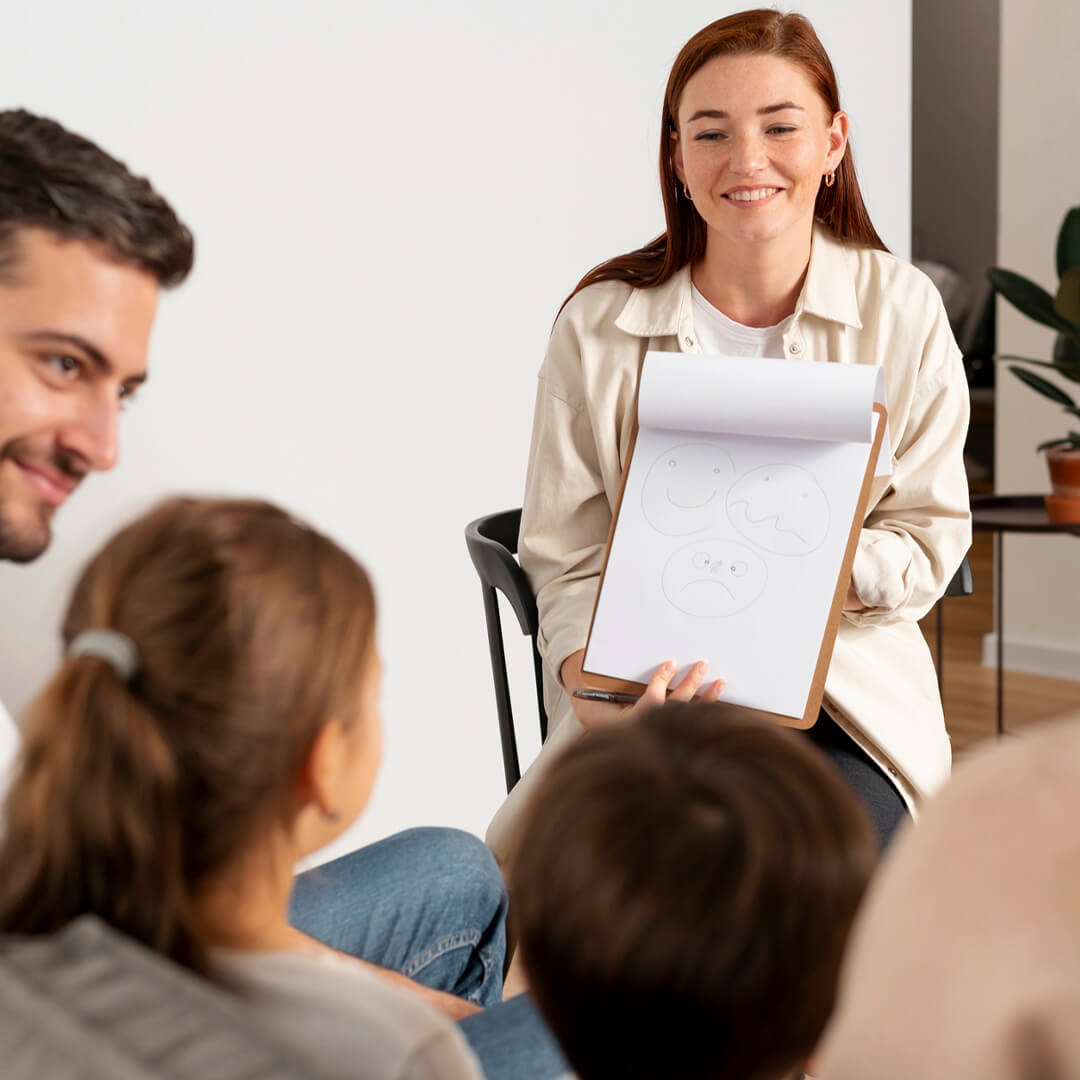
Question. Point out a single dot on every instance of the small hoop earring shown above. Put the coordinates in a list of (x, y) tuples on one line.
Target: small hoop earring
[(830, 178), (686, 193)]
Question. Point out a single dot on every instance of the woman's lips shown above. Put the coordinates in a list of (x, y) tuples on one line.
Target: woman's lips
[(750, 197)]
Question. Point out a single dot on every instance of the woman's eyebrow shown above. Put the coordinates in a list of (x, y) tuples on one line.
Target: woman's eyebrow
[(765, 110)]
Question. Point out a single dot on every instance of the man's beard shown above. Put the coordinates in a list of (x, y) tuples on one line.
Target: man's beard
[(22, 543)]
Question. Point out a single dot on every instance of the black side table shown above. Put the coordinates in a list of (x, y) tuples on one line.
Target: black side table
[(1003, 514)]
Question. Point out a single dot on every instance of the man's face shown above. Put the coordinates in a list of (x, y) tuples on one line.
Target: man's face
[(74, 332)]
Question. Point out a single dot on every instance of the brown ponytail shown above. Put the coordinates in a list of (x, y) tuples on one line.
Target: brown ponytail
[(92, 819), (840, 207), (252, 630)]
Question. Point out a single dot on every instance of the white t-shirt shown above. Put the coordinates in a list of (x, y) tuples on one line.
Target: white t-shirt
[(353, 1024), (725, 337)]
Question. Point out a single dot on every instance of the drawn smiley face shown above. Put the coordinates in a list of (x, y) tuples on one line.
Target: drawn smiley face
[(685, 488), (713, 578), (781, 508)]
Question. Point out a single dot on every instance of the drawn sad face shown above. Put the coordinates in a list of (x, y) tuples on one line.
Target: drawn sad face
[(780, 508), (713, 578), (685, 488)]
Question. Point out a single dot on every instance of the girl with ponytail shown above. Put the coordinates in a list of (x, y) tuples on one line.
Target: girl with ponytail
[(208, 703), (768, 251), (213, 721)]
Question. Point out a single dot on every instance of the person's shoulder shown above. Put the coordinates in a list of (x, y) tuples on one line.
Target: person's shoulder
[(337, 1009), (891, 281), (595, 307)]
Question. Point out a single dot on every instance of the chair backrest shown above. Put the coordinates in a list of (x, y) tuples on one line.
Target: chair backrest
[(492, 542), (961, 583)]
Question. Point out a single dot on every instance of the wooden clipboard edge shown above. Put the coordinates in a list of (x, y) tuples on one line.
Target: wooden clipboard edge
[(816, 694), (817, 684)]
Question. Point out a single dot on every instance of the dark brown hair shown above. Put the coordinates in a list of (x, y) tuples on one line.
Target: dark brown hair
[(252, 631), (683, 891), (56, 180), (762, 31)]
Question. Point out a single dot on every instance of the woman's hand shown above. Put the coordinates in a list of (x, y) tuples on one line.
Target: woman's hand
[(600, 713), (852, 601)]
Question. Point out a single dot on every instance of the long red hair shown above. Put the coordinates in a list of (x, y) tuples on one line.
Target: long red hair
[(840, 207)]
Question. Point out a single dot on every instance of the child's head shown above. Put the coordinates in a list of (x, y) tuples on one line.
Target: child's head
[(683, 890), (251, 712)]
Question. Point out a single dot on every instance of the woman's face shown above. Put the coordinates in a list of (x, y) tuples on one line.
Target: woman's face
[(753, 143)]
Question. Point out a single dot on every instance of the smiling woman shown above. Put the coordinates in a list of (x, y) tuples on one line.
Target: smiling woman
[(768, 251)]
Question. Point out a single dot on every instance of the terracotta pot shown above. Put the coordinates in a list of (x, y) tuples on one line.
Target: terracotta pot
[(1063, 510), (1064, 505)]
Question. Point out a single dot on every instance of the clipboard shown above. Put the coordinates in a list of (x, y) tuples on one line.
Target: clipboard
[(735, 540)]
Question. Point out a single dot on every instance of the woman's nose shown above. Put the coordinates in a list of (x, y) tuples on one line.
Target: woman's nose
[(748, 155)]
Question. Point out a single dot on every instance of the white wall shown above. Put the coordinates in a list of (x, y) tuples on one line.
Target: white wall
[(1039, 166), (390, 200)]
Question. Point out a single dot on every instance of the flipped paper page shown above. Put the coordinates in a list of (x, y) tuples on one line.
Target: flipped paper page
[(735, 516)]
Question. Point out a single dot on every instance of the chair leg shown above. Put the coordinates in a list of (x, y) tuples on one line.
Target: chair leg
[(507, 735)]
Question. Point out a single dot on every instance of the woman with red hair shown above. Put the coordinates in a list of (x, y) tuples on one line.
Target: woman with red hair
[(769, 251)]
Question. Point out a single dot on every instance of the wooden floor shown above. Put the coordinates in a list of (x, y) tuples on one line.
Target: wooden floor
[(970, 699)]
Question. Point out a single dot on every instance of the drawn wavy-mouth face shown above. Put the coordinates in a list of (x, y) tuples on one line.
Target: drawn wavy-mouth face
[(685, 488), (781, 508), (713, 578)]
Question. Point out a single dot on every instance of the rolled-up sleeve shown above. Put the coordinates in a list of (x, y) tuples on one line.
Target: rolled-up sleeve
[(915, 537)]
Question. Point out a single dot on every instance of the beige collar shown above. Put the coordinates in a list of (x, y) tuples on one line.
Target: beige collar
[(828, 293)]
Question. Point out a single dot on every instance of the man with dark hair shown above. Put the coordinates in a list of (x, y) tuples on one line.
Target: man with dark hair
[(683, 890), (85, 247)]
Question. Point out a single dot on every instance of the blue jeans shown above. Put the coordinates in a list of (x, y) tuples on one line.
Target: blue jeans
[(431, 904)]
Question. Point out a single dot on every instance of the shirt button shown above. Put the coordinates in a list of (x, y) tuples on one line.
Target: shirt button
[(688, 340), (794, 348)]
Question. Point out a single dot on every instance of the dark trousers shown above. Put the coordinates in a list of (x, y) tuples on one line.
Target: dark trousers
[(880, 797)]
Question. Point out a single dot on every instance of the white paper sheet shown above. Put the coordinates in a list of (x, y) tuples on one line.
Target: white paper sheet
[(732, 533)]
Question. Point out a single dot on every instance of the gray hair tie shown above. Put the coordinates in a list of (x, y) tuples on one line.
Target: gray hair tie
[(116, 649)]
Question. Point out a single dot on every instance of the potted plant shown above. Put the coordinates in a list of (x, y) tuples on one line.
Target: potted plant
[(1060, 312)]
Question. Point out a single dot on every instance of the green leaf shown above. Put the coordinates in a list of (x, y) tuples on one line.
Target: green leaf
[(1068, 242), (1068, 370), (1067, 299), (1028, 298), (1042, 386), (1051, 443)]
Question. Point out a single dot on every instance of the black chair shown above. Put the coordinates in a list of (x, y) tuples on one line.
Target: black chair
[(492, 542), (961, 585)]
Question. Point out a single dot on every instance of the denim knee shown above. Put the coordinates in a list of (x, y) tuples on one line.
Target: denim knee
[(465, 866)]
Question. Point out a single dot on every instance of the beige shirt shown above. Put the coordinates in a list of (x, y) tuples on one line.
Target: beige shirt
[(965, 958), (857, 306)]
